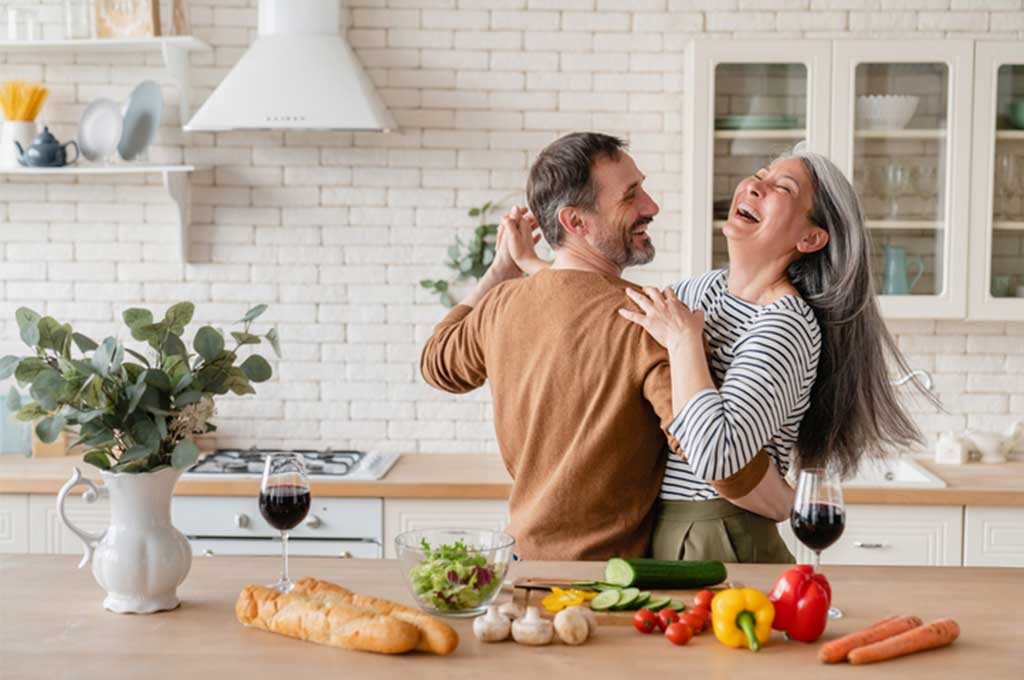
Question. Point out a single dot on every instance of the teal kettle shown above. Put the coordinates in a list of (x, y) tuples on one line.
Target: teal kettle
[(894, 271), (46, 152)]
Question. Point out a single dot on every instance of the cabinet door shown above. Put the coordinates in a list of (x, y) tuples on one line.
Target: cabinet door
[(406, 514), (50, 535), (14, 526), (746, 102), (905, 535), (994, 537), (997, 176), (901, 129)]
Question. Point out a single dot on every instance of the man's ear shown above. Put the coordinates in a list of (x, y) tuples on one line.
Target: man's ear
[(571, 220), (813, 241)]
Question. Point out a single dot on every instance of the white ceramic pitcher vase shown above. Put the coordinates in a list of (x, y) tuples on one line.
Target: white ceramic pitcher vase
[(140, 559)]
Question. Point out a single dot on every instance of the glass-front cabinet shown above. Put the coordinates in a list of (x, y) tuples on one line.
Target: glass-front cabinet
[(997, 213)]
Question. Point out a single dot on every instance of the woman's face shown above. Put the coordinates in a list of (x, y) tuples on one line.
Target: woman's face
[(770, 210)]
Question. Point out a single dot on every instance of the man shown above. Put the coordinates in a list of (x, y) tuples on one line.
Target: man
[(582, 397)]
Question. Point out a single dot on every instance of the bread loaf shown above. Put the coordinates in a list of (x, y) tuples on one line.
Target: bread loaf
[(322, 612)]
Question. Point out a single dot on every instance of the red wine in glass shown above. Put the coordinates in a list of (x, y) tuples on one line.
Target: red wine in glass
[(284, 502), (818, 516), (284, 506)]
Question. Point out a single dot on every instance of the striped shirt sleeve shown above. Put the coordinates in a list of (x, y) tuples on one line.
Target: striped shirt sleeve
[(770, 376)]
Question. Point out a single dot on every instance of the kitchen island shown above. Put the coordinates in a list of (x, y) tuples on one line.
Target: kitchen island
[(52, 625)]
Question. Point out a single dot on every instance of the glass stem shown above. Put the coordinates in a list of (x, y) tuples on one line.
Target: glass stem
[(284, 557), (817, 560)]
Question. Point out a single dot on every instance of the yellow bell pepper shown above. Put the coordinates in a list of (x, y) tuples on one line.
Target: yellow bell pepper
[(559, 599), (742, 617)]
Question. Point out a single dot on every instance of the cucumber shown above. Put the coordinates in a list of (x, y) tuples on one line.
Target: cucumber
[(677, 605), (658, 603), (646, 573), (641, 599), (627, 597), (605, 600)]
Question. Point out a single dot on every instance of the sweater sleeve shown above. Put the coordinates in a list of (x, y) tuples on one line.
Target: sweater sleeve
[(453, 358), (771, 375)]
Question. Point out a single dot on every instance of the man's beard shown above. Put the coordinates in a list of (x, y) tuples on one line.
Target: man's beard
[(620, 250)]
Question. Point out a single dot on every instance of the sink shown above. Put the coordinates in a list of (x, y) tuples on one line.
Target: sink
[(894, 473)]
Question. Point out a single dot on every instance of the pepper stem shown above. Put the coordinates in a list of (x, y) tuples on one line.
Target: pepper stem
[(745, 620)]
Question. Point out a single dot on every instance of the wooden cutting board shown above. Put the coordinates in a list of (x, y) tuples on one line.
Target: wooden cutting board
[(528, 592)]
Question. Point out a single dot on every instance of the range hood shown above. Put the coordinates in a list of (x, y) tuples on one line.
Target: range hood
[(299, 74)]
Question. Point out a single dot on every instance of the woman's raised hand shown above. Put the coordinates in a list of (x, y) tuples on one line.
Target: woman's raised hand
[(516, 232), (665, 317)]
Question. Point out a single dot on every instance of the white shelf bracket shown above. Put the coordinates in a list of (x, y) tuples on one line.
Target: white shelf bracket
[(176, 61), (178, 186)]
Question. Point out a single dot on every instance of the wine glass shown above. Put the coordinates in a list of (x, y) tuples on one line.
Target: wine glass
[(1008, 179), (284, 502), (895, 177), (818, 516)]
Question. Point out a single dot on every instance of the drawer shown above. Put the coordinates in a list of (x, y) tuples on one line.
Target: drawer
[(907, 535), (239, 517), (212, 547), (994, 537), (407, 514)]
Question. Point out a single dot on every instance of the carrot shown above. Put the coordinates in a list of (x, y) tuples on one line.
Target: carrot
[(935, 634), (836, 650)]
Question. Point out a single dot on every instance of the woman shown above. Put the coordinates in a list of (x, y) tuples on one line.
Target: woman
[(798, 356)]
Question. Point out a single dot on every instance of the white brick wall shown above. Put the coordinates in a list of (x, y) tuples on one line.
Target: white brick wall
[(334, 230)]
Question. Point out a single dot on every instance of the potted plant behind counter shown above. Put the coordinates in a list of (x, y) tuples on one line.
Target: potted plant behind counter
[(137, 414)]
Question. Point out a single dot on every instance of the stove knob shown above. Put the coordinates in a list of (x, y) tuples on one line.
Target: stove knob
[(345, 555), (207, 553), (242, 520), (313, 522)]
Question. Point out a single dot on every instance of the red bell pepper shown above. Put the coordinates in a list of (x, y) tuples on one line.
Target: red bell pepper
[(801, 600)]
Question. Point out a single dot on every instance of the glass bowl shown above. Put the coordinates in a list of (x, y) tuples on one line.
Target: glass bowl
[(885, 111), (454, 572)]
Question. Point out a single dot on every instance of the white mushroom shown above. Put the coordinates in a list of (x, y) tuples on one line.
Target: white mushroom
[(511, 610), (492, 626), (571, 626), (589, 615), (531, 629)]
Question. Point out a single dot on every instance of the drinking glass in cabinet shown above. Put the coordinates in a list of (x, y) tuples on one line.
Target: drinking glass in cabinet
[(1008, 182), (77, 19)]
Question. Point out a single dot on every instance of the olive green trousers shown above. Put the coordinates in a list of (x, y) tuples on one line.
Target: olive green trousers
[(716, 530)]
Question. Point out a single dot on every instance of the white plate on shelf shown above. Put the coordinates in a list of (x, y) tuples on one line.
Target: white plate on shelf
[(99, 129), (141, 119)]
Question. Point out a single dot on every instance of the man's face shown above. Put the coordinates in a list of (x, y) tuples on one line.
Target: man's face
[(617, 228)]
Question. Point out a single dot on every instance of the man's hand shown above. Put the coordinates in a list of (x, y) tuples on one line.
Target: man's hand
[(517, 230), (504, 267)]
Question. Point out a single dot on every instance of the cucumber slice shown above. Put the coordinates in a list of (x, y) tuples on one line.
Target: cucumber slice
[(605, 600), (641, 599), (607, 586), (678, 605), (627, 597), (619, 571), (658, 603)]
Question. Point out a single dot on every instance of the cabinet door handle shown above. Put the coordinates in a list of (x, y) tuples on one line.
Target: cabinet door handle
[(869, 546), (345, 555), (242, 520), (207, 553), (313, 522)]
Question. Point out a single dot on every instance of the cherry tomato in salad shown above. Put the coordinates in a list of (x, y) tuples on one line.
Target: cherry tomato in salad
[(678, 633), (695, 621), (704, 598), (667, 617), (645, 621)]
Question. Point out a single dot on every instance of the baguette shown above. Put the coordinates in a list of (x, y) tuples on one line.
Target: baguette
[(436, 637)]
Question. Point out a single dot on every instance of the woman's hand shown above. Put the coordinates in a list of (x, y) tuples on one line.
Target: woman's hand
[(666, 318), (517, 233)]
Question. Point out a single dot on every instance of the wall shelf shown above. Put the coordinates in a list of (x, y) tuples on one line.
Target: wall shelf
[(905, 225), (175, 178), (901, 134), (761, 134), (1010, 135), (1008, 226)]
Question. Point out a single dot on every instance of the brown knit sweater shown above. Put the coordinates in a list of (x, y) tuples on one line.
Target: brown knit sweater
[(582, 401)]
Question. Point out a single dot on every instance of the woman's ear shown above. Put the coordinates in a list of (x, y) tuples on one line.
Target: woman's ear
[(572, 221), (813, 241)]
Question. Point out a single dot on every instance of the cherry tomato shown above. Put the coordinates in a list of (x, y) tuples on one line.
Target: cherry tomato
[(667, 617), (645, 621), (704, 612), (695, 621), (678, 633), (704, 597)]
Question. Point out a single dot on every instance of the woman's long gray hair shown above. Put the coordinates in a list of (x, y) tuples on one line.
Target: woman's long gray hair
[(854, 408)]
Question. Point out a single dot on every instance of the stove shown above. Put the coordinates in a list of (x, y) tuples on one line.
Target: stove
[(342, 465)]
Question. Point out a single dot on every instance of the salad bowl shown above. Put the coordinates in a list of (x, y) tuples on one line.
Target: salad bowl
[(454, 572)]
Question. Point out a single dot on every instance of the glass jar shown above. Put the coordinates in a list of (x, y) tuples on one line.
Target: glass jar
[(78, 19)]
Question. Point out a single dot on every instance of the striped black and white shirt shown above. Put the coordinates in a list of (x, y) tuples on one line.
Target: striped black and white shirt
[(765, 358)]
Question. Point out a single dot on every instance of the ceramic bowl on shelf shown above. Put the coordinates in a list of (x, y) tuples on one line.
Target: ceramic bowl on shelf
[(885, 111)]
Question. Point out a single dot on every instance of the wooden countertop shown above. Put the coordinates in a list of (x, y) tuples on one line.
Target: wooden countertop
[(52, 625), (470, 476)]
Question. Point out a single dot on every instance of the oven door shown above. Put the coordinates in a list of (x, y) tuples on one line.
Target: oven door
[(211, 547)]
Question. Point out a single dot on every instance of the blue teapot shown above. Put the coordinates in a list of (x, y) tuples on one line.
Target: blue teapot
[(46, 152), (894, 272)]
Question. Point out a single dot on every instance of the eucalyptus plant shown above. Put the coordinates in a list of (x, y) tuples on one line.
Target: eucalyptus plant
[(468, 260), (134, 413)]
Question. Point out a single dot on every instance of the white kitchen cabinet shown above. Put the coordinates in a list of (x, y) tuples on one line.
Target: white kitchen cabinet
[(903, 535), (997, 170), (405, 514), (993, 537), (48, 532), (14, 524)]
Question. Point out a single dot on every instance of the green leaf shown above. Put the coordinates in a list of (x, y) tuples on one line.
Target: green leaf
[(100, 439), (179, 316), (84, 343), (275, 341), (245, 338), (98, 458), (209, 342), (8, 365), (49, 428), (253, 314), (151, 333), (48, 329), (240, 386), (134, 453), (186, 398), (174, 346), (28, 325), (183, 382), (184, 454), (103, 357), (145, 433), (46, 388), (29, 368), (135, 392), (31, 411), (136, 317), (474, 212), (82, 417), (156, 378), (13, 399), (256, 368), (145, 362)]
